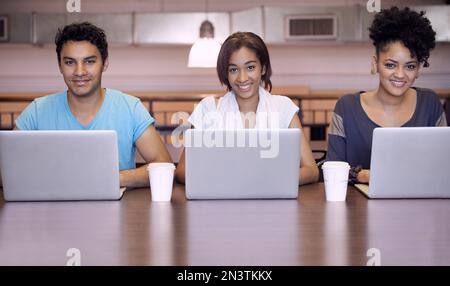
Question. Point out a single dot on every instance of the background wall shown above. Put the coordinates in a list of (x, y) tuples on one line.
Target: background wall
[(340, 66), (163, 67)]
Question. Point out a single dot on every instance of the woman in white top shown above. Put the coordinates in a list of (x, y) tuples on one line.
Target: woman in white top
[(244, 67)]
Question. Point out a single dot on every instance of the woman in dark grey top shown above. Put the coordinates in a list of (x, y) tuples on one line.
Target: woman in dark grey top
[(403, 40)]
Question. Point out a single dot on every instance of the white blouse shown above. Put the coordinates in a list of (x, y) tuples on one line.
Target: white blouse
[(273, 112)]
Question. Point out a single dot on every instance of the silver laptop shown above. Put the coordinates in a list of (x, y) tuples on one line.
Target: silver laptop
[(242, 164), (409, 162), (59, 165)]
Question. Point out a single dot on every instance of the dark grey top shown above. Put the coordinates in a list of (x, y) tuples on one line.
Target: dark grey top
[(350, 135)]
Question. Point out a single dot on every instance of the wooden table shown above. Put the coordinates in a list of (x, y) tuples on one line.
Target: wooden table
[(307, 231)]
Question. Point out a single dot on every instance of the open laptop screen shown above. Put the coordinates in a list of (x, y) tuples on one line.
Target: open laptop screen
[(59, 165), (410, 162), (242, 164)]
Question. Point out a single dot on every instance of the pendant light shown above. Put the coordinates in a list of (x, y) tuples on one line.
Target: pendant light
[(204, 51)]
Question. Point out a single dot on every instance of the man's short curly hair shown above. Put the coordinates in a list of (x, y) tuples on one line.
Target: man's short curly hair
[(84, 31), (407, 26)]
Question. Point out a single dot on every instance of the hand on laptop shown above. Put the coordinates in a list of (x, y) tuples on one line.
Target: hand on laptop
[(363, 176)]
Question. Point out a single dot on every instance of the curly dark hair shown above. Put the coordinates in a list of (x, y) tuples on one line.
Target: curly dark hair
[(84, 31), (407, 26), (251, 41)]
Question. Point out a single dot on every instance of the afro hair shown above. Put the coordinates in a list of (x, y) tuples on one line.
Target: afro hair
[(407, 26)]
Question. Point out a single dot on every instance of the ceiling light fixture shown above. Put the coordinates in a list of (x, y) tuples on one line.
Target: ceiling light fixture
[(204, 51)]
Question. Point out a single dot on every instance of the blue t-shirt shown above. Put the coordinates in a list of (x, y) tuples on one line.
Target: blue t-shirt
[(351, 129), (120, 112)]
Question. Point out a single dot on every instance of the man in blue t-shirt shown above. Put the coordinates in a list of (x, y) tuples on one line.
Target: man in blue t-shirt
[(82, 52)]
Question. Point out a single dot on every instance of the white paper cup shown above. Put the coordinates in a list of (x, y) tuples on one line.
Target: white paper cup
[(335, 175), (161, 181)]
